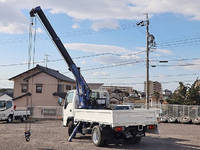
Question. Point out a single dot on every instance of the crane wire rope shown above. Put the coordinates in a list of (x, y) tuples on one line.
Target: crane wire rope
[(31, 47)]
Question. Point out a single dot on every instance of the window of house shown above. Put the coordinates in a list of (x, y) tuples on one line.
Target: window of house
[(60, 88), (68, 87), (38, 88), (24, 88)]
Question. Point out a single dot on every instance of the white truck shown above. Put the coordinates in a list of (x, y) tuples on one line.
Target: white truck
[(87, 112), (8, 112), (106, 125)]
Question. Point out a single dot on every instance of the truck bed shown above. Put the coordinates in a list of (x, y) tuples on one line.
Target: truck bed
[(116, 118), (21, 113)]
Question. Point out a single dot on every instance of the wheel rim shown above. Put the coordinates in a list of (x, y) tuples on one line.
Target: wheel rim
[(95, 136), (9, 119)]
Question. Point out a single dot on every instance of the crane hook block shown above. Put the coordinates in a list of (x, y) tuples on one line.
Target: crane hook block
[(27, 135)]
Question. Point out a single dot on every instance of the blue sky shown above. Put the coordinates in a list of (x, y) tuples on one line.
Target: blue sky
[(106, 31)]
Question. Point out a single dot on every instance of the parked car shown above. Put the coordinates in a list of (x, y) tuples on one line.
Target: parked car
[(122, 107)]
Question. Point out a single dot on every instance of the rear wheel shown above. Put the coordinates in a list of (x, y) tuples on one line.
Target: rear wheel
[(24, 118), (138, 139), (97, 137)]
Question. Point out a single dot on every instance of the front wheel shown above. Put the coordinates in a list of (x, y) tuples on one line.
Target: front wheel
[(97, 137), (10, 119), (71, 127)]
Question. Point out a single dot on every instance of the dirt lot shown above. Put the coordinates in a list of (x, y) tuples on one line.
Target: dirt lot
[(50, 135)]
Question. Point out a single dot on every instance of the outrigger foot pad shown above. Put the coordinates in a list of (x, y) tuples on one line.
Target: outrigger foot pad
[(27, 135)]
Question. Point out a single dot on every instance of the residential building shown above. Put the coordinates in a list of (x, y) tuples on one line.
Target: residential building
[(41, 85), (155, 92), (6, 91), (121, 88)]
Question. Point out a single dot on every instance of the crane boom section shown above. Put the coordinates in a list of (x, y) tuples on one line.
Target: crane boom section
[(84, 96)]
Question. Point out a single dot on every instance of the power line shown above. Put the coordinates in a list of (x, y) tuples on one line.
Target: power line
[(135, 83), (55, 60), (131, 77)]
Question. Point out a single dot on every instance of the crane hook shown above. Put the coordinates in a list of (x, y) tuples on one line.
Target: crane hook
[(27, 135)]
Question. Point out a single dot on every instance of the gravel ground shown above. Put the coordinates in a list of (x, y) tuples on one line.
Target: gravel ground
[(50, 135)]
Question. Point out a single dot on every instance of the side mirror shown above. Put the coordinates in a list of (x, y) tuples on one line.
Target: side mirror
[(60, 101)]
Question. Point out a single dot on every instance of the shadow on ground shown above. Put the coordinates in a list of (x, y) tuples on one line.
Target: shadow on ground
[(148, 143)]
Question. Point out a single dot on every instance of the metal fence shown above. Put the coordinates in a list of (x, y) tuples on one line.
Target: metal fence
[(191, 111), (164, 110), (174, 113), (46, 112)]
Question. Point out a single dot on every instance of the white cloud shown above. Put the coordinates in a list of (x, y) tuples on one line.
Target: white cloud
[(75, 26), (98, 11), (195, 65), (163, 51), (12, 20), (99, 73), (102, 24), (96, 48)]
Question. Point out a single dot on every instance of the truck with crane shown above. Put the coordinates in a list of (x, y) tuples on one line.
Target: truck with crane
[(88, 112)]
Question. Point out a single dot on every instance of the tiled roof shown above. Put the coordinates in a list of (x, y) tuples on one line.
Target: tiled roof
[(51, 72)]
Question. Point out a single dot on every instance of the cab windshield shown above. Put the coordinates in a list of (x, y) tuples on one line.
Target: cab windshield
[(2, 104)]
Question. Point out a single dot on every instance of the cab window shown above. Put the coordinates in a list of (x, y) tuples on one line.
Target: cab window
[(68, 99), (8, 104), (2, 104)]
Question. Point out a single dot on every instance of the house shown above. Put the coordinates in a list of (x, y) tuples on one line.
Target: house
[(124, 89), (42, 86), (6, 91)]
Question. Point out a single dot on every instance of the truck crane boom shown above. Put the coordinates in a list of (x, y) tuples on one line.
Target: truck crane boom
[(84, 95)]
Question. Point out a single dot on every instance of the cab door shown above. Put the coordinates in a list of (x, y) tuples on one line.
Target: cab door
[(68, 108)]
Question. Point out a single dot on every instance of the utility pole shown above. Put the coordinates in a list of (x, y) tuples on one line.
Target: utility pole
[(147, 61), (150, 43)]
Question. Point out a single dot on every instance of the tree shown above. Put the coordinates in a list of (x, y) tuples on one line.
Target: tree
[(193, 95), (186, 95), (179, 95)]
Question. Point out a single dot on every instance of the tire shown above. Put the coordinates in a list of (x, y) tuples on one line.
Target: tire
[(135, 140), (24, 118), (71, 128), (10, 119), (97, 137), (138, 139)]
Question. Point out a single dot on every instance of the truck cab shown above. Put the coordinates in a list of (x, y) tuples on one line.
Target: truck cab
[(6, 110)]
